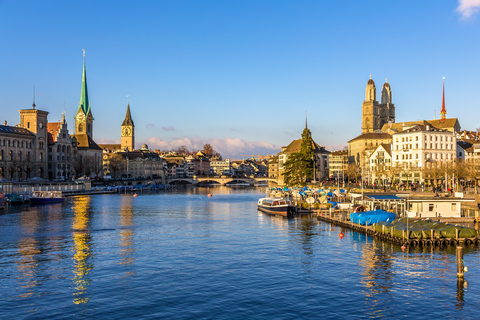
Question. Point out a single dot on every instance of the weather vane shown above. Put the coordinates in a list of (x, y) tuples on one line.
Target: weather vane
[(83, 52), (128, 98)]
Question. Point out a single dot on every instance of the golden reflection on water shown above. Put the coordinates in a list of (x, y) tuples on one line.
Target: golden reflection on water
[(82, 249), (126, 234), (28, 249)]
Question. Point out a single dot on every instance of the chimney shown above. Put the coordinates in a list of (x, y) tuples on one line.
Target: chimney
[(5, 122)]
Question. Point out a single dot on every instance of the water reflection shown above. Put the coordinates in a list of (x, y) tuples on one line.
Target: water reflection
[(82, 257), (126, 234), (28, 249)]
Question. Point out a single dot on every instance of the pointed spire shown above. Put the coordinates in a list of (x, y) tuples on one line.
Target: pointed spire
[(128, 117), (443, 112), (306, 127), (84, 104)]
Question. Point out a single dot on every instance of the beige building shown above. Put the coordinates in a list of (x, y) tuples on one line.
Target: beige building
[(375, 115), (361, 147), (273, 167), (337, 163)]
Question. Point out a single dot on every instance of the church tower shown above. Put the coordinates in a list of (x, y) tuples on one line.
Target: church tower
[(443, 112), (84, 118), (387, 108), (128, 132), (370, 114)]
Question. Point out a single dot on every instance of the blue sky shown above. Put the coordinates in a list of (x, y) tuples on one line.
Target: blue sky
[(239, 74)]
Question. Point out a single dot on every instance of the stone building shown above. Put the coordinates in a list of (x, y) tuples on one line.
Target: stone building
[(61, 151), (360, 148), (375, 115)]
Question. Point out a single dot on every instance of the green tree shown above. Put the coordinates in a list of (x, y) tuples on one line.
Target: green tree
[(299, 165)]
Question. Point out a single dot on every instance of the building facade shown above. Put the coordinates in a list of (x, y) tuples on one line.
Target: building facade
[(374, 114)]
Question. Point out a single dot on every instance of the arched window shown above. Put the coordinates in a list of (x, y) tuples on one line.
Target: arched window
[(80, 128), (59, 148), (1, 155), (11, 155), (63, 148), (19, 155), (28, 156)]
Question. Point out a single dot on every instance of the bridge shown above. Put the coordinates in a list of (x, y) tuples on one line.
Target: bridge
[(223, 180)]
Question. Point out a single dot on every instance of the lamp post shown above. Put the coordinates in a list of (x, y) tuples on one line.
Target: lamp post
[(314, 162)]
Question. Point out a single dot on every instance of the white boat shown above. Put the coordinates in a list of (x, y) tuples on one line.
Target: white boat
[(278, 206), (44, 197)]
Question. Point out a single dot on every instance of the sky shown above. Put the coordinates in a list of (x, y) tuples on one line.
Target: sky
[(240, 75)]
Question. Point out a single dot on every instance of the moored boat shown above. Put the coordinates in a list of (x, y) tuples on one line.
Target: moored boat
[(278, 206), (44, 197)]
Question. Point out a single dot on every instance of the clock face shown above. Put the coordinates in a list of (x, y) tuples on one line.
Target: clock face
[(80, 117), (40, 125), (126, 131)]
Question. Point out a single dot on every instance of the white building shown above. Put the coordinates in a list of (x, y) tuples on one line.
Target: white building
[(380, 163), (418, 146)]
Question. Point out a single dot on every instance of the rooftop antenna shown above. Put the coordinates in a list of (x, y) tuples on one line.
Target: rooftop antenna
[(33, 105)]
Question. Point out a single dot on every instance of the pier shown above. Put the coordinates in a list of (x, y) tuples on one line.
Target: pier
[(340, 219)]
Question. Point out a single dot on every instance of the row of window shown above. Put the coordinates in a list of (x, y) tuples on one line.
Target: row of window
[(427, 137), (20, 144)]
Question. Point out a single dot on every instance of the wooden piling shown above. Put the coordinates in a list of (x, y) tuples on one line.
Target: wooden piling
[(460, 267)]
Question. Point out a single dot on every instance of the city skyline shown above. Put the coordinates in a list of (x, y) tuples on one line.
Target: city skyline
[(239, 75)]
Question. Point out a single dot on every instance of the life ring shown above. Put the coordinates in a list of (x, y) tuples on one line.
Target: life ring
[(414, 243), (468, 241), (428, 243), (453, 242)]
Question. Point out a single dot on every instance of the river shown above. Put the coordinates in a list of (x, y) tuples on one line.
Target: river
[(183, 255)]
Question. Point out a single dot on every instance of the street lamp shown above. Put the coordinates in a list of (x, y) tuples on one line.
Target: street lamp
[(314, 162)]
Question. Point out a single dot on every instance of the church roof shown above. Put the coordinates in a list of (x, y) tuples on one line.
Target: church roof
[(370, 81), (110, 146), (378, 135), (128, 118), (85, 142)]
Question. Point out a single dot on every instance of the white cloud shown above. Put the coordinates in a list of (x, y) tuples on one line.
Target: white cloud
[(468, 8), (227, 147)]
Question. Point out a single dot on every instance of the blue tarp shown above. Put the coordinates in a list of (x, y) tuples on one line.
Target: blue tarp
[(334, 204), (371, 217)]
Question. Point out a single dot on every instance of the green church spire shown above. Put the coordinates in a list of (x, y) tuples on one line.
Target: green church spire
[(84, 104)]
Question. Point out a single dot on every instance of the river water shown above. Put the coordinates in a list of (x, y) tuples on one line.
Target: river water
[(183, 255)]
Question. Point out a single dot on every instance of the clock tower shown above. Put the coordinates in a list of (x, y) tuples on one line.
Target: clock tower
[(84, 118), (128, 132)]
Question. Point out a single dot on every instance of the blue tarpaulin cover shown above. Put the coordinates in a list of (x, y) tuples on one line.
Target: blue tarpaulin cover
[(371, 217)]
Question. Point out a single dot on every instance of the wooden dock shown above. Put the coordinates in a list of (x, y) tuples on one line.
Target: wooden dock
[(340, 219)]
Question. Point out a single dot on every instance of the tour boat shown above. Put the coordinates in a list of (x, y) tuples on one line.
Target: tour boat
[(44, 197), (277, 206)]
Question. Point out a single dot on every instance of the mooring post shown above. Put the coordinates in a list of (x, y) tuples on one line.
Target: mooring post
[(460, 268), (383, 229), (403, 234), (456, 233), (431, 234)]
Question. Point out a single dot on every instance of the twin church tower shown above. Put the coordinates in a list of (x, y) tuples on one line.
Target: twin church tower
[(374, 114), (84, 118)]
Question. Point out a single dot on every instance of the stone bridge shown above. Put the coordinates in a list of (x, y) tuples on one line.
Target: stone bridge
[(224, 180)]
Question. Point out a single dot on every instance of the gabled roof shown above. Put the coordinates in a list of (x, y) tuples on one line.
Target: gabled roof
[(377, 135), (384, 146), (52, 129), (399, 126)]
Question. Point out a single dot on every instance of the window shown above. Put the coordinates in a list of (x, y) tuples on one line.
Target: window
[(430, 207), (454, 207)]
